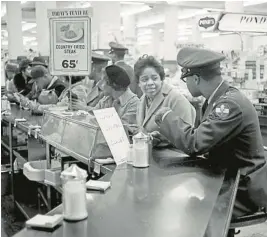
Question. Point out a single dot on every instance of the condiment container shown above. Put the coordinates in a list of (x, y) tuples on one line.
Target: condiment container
[(74, 193)]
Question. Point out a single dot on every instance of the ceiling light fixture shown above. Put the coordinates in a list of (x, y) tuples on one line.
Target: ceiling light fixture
[(22, 2), (28, 26)]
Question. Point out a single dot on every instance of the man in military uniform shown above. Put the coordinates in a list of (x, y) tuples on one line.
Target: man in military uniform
[(117, 52), (229, 131), (99, 62)]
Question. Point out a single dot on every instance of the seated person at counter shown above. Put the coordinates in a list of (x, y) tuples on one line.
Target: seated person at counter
[(157, 94), (11, 70), (42, 84), (99, 62), (118, 95), (229, 133), (21, 80)]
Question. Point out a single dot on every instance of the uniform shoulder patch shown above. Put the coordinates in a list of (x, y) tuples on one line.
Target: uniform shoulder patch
[(222, 110)]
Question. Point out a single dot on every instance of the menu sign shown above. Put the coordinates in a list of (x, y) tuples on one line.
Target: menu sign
[(114, 133), (243, 22), (70, 41)]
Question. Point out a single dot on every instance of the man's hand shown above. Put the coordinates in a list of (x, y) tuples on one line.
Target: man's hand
[(157, 138), (159, 114)]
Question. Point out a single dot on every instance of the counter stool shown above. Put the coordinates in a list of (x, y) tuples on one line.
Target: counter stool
[(249, 220)]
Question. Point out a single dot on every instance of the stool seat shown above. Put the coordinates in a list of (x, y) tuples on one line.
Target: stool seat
[(253, 219)]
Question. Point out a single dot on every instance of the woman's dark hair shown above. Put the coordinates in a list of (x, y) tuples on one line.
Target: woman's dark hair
[(148, 61)]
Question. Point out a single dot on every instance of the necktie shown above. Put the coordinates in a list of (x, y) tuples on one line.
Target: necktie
[(204, 107)]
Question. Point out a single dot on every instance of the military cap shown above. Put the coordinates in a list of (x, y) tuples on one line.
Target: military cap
[(195, 60), (38, 61), (117, 75), (24, 64), (98, 58), (116, 47)]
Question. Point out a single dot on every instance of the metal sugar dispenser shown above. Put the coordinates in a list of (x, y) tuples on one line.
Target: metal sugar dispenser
[(141, 150), (74, 193)]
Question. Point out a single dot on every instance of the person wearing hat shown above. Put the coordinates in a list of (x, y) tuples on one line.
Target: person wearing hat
[(99, 62), (21, 79), (117, 52), (38, 61), (118, 95), (229, 131)]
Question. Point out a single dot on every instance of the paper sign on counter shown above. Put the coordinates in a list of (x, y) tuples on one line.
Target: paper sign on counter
[(114, 133)]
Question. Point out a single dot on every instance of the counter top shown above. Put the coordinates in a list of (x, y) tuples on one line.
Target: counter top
[(161, 200)]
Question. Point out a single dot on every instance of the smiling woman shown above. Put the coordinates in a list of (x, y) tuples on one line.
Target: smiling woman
[(157, 94)]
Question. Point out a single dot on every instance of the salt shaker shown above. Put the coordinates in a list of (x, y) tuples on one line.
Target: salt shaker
[(141, 150), (74, 193)]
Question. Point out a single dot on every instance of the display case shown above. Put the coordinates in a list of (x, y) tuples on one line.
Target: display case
[(76, 134)]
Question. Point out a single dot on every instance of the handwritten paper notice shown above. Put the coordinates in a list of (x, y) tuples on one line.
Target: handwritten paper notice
[(113, 131)]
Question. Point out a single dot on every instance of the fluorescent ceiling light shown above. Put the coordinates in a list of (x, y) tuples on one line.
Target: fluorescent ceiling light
[(28, 38), (22, 2), (161, 30), (253, 2), (34, 31), (28, 26), (132, 3), (135, 11), (4, 42), (3, 9)]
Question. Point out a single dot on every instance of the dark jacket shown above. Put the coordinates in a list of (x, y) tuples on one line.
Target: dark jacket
[(133, 86), (230, 133), (22, 84)]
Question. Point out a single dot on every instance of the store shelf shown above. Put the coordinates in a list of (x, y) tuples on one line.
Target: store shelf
[(27, 211)]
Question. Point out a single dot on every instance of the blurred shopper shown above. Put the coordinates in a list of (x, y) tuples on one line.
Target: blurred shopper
[(157, 94), (22, 79), (11, 70), (229, 132), (117, 95), (117, 53)]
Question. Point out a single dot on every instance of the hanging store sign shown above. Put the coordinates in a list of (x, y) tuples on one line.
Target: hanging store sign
[(238, 22), (208, 22), (70, 41)]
